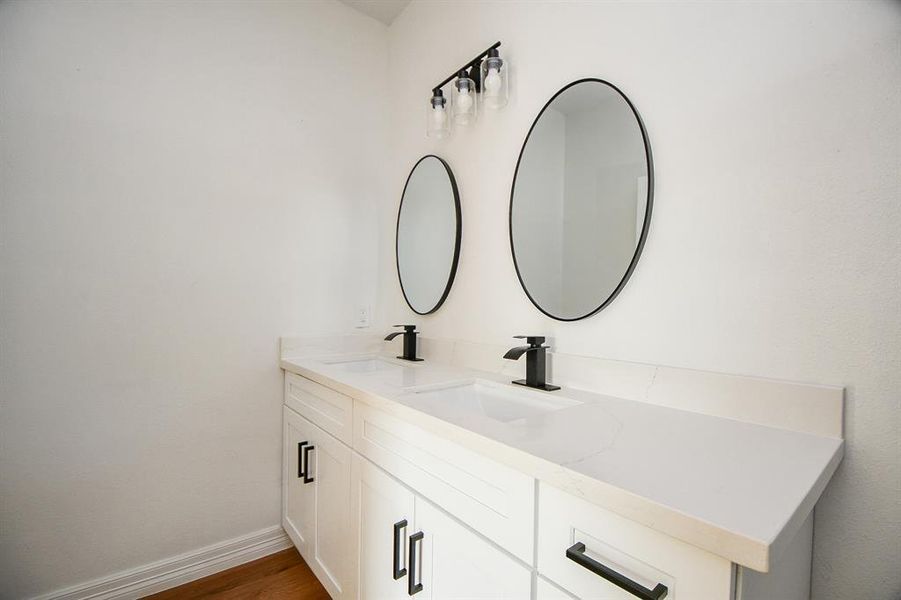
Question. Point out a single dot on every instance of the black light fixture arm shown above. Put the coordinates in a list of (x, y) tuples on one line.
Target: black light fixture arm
[(473, 68)]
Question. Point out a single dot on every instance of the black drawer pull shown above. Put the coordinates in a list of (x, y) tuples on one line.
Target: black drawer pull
[(413, 586), (398, 549), (576, 553), (306, 460), (300, 446)]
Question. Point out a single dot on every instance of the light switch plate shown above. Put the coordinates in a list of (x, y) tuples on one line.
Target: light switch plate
[(361, 318)]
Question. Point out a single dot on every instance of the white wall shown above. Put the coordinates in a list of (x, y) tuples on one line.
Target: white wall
[(182, 182), (773, 247)]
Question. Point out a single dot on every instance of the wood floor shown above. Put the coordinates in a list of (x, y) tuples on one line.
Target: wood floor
[(279, 576)]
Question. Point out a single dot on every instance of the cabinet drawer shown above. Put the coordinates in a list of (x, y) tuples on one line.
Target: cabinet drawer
[(493, 499), (324, 407), (627, 551)]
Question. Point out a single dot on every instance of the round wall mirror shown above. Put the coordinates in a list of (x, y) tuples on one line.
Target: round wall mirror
[(581, 200), (428, 234)]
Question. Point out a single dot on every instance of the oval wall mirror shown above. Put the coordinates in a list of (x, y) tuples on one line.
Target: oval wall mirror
[(581, 200), (428, 234)]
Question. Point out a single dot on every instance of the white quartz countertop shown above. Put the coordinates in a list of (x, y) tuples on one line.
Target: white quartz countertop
[(736, 489)]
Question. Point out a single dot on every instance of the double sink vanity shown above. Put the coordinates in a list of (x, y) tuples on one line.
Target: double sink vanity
[(441, 480), (444, 479)]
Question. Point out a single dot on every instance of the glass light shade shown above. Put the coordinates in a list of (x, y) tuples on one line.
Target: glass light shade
[(494, 81), (465, 102), (438, 125)]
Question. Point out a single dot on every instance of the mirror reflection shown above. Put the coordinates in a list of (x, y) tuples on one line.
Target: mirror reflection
[(581, 200), (428, 235)]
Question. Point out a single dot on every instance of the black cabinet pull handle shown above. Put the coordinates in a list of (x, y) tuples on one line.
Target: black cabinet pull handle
[(413, 586), (576, 553), (306, 460), (398, 549), (300, 446)]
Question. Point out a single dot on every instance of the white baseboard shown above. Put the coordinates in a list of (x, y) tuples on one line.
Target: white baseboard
[(171, 572)]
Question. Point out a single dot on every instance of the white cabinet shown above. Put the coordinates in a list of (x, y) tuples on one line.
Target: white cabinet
[(316, 513), (383, 513), (297, 496), (453, 563), (494, 499), (407, 512), (334, 554), (586, 550), (410, 547), (331, 411)]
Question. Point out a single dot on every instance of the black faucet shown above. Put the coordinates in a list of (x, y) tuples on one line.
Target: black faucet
[(409, 334), (536, 362)]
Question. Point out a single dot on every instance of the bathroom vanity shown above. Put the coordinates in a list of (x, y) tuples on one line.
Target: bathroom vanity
[(442, 479), (438, 480)]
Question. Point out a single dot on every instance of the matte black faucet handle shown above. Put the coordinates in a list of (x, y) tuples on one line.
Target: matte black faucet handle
[(406, 327), (533, 340)]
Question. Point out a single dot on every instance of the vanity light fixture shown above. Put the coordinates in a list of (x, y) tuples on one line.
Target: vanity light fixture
[(439, 126), (465, 103), (494, 80), (485, 74)]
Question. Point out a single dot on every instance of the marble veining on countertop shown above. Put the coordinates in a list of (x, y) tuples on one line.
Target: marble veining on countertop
[(737, 489)]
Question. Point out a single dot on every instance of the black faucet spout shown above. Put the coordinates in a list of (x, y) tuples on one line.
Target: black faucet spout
[(515, 353), (536, 363), (409, 334)]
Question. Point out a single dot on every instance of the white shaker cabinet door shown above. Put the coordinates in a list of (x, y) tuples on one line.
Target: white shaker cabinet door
[(450, 562), (383, 515), (298, 498), (333, 557)]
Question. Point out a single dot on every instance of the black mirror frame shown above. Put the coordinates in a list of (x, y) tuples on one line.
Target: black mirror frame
[(647, 215), (459, 229)]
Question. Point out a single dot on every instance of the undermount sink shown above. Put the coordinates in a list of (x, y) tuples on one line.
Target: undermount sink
[(496, 401), (365, 365)]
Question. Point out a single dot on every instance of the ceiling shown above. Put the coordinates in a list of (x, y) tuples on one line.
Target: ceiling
[(381, 10)]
